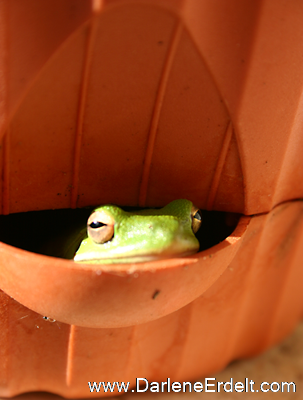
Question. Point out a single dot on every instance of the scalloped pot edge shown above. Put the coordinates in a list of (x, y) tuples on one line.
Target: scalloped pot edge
[(106, 296)]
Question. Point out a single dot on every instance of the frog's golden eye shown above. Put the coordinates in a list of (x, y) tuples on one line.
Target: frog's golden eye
[(196, 217), (100, 227)]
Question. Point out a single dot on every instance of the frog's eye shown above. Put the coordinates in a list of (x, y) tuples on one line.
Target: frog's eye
[(196, 218), (100, 227)]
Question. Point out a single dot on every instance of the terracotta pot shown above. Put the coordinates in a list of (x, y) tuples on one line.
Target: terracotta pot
[(143, 102), (255, 302), (139, 103)]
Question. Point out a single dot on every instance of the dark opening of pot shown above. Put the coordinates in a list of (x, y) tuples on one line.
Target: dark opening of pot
[(41, 231)]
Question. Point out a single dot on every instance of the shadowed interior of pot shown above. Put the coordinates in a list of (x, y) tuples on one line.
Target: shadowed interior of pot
[(148, 102), (40, 231)]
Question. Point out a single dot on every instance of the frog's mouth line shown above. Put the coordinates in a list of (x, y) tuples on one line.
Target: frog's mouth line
[(81, 258)]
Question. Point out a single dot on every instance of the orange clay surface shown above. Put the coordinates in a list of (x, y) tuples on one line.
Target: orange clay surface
[(143, 102), (110, 296), (255, 299)]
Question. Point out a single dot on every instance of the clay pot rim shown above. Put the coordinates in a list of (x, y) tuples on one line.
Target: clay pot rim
[(129, 268), (116, 295)]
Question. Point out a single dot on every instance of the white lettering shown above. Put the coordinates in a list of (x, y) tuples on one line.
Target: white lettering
[(123, 387), (288, 384), (230, 383), (198, 387), (176, 387), (184, 386), (262, 387), (272, 388), (239, 389), (209, 384), (138, 384), (154, 387), (164, 384), (94, 386), (108, 386)]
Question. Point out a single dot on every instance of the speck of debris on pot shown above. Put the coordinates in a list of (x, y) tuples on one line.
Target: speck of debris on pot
[(156, 294)]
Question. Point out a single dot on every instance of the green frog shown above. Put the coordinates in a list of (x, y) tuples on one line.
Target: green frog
[(117, 236)]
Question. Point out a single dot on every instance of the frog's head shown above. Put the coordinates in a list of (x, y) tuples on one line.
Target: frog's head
[(117, 236)]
